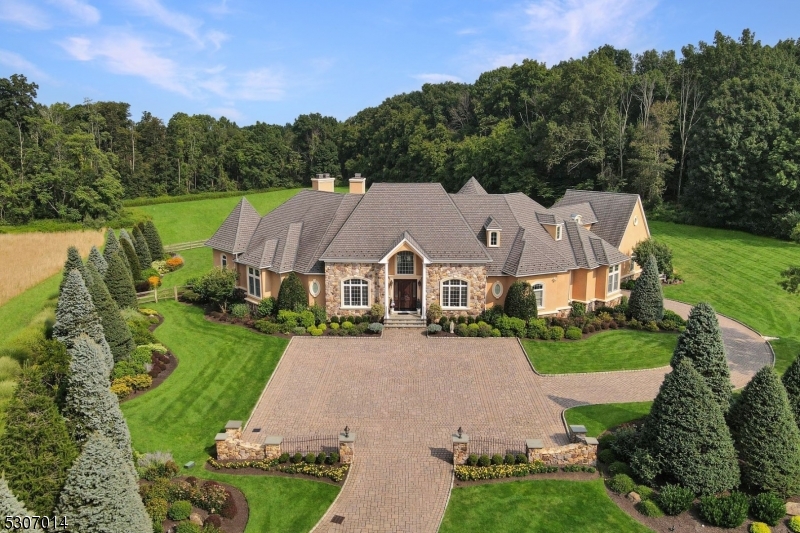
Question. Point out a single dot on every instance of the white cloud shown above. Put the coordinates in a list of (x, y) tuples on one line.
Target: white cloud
[(83, 11), (231, 113), (216, 38), (20, 65), (177, 21), (262, 84), (467, 31), (435, 78), (24, 14)]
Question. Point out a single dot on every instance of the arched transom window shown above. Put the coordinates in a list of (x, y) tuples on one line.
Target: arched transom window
[(538, 290), (405, 263), (454, 293), (355, 293)]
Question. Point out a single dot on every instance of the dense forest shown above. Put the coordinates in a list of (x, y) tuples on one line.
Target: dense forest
[(712, 136)]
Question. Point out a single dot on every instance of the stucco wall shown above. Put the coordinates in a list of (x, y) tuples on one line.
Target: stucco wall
[(475, 275), (335, 273), (306, 279), (634, 233)]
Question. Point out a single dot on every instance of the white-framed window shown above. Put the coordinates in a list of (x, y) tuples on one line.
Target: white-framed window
[(405, 263), (538, 290), (253, 282), (314, 288), (497, 289), (355, 293), (494, 239), (224, 261), (558, 232), (455, 293), (613, 278)]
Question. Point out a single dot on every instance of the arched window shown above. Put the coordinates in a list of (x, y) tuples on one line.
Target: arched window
[(538, 290), (224, 261), (355, 293), (405, 263), (454, 293), (314, 288), (497, 289)]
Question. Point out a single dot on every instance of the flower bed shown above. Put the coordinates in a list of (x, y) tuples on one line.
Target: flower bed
[(333, 472), (476, 473)]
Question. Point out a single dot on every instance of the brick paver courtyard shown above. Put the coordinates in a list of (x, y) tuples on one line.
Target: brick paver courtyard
[(405, 394)]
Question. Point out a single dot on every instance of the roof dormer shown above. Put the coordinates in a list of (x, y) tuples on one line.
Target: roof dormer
[(552, 224), (493, 230)]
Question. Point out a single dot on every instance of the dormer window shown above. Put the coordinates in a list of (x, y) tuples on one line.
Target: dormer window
[(578, 219), (558, 232), (494, 239)]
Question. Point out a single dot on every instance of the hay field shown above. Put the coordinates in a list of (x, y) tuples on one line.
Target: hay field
[(29, 258)]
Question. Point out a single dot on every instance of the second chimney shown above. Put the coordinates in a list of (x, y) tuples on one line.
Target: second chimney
[(358, 185), (323, 182)]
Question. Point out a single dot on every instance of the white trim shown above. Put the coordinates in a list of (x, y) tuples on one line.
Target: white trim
[(256, 275), (423, 305), (497, 284), (386, 290), (341, 294), (496, 234), (559, 232), (385, 258), (311, 290), (441, 294), (223, 261), (533, 287), (413, 263), (612, 271)]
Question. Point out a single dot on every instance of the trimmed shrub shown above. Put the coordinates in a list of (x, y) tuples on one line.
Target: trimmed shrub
[(767, 507), (472, 459), (292, 294), (434, 312), (521, 301), (495, 332), (497, 459), (794, 524), (180, 510), (472, 330), (306, 319), (240, 311), (555, 333), (321, 457), (284, 458), (607, 456), (265, 326), (347, 325), (578, 309), (522, 459), (315, 332), (573, 333), (299, 330), (727, 511), (647, 301), (674, 499), (310, 458), (290, 318), (297, 458), (511, 326), (375, 327), (484, 460), (645, 492), (537, 328), (649, 508), (334, 457), (509, 459), (188, 527), (433, 329), (621, 484), (335, 326), (760, 527), (618, 467), (267, 307), (462, 330)]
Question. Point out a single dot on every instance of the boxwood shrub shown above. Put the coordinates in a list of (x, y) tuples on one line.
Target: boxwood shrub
[(484, 460), (759, 527), (674, 499), (618, 467), (573, 333), (497, 459), (768, 508), (621, 484), (649, 508), (607, 456), (724, 511), (180, 510), (556, 333)]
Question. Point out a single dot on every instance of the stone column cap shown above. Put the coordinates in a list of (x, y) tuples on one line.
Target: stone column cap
[(578, 428), (534, 444), (273, 440), (591, 441), (221, 436), (233, 424), (351, 437), (464, 439)]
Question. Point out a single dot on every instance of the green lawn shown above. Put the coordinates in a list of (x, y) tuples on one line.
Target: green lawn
[(196, 263), (621, 349), (738, 274), (221, 372), (26, 308), (546, 506), (598, 418)]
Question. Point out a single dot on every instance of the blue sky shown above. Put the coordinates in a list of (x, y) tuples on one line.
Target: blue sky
[(271, 61)]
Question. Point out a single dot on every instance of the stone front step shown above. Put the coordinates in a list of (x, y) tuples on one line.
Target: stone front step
[(404, 321)]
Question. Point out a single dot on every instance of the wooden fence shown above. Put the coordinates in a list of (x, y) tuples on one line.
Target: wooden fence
[(178, 247), (170, 293)]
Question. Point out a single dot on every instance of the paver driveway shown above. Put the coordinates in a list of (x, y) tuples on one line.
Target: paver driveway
[(404, 395)]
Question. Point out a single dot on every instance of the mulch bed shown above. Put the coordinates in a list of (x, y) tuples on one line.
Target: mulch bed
[(563, 476), (274, 473), (236, 524), (219, 318)]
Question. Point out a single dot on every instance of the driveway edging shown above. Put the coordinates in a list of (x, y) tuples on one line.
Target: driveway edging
[(264, 391)]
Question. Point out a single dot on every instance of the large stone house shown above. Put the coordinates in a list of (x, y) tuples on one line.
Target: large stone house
[(409, 245)]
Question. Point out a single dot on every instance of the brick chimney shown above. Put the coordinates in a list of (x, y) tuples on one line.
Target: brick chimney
[(323, 182), (358, 185)]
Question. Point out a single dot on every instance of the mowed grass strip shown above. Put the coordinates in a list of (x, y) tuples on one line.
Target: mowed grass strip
[(621, 349), (27, 308), (738, 274), (599, 418), (537, 506)]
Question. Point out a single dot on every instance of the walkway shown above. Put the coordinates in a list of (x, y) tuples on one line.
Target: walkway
[(404, 395)]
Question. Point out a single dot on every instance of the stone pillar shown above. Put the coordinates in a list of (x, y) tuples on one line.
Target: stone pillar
[(223, 452), (346, 447), (234, 429), (577, 433), (533, 449), (460, 449), (272, 447)]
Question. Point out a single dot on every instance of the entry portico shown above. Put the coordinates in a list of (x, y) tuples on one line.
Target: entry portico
[(408, 264)]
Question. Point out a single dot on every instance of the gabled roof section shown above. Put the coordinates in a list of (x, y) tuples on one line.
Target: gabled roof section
[(492, 224), (235, 232), (472, 186), (612, 209), (291, 247), (406, 237), (569, 212), (547, 218)]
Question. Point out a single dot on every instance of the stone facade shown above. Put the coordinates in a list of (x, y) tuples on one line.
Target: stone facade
[(591, 306), (233, 448), (578, 453), (346, 451), (460, 452), (335, 273), (474, 275)]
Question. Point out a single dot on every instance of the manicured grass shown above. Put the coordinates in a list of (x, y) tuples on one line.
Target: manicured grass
[(196, 263), (24, 309), (621, 349), (546, 506), (738, 274), (599, 418)]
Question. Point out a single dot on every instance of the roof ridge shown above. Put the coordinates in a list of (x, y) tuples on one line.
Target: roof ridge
[(352, 212), (466, 224), (327, 228)]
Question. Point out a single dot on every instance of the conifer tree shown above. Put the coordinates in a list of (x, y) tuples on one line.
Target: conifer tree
[(687, 436), (97, 259), (701, 343), (76, 315), (90, 405), (132, 258), (292, 294), (124, 235), (101, 493), (73, 261), (791, 382), (153, 240), (36, 449), (10, 506), (521, 301), (766, 436), (647, 301), (113, 247), (143, 252), (120, 283), (116, 331)]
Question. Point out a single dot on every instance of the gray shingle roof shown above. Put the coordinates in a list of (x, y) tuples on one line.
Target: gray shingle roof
[(612, 209), (472, 186), (491, 223), (568, 212), (234, 233)]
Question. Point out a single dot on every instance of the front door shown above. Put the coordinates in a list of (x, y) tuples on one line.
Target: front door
[(405, 295)]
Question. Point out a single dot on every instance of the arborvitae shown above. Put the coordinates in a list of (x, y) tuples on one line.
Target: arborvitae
[(521, 301), (120, 283), (766, 436), (647, 301), (687, 436), (76, 315), (118, 335), (113, 247), (90, 405), (292, 294), (143, 252), (73, 261), (701, 343), (101, 493), (10, 506), (153, 240), (36, 449), (133, 259), (791, 382), (97, 259)]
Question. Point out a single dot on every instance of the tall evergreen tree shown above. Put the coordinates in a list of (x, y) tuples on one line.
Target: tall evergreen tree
[(766, 435), (120, 283), (132, 258), (76, 314), (124, 235), (10, 506), (36, 449), (113, 247), (687, 436), (90, 405), (647, 301), (701, 343), (142, 250), (791, 382), (97, 259), (521, 301), (101, 493), (153, 240), (73, 261), (116, 331), (292, 293)]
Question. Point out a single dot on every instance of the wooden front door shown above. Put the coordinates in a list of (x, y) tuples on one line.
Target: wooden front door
[(405, 295)]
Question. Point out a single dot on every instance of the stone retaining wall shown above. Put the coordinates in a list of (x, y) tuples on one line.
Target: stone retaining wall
[(578, 453), (231, 447)]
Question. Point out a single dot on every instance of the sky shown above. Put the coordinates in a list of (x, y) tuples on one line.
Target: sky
[(270, 61)]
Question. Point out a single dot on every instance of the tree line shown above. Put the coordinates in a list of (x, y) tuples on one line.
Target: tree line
[(712, 135)]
